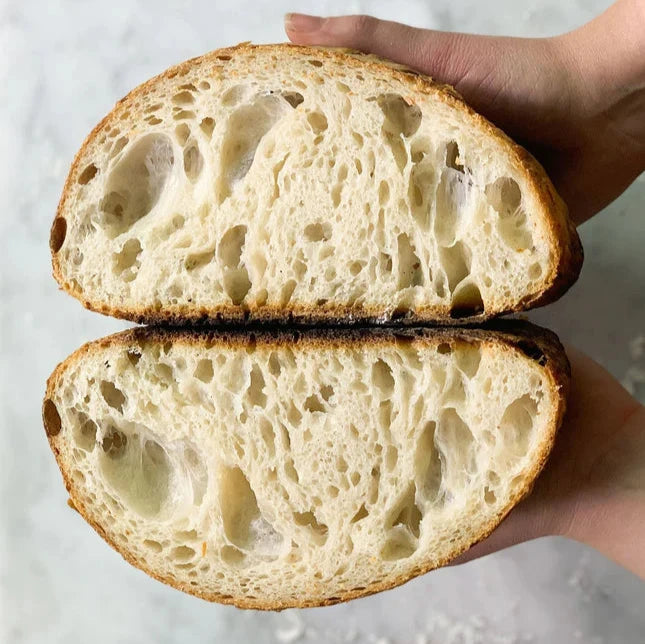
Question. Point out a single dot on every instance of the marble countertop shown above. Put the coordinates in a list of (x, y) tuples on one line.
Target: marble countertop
[(63, 66)]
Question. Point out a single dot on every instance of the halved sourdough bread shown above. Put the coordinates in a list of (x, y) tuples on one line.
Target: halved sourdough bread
[(276, 469), (302, 184)]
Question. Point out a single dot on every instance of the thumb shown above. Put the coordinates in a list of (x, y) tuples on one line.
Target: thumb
[(496, 75)]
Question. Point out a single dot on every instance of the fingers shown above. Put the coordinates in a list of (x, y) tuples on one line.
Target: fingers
[(499, 77), (434, 52)]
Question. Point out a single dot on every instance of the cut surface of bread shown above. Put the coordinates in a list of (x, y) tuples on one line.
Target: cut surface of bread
[(273, 469), (302, 184)]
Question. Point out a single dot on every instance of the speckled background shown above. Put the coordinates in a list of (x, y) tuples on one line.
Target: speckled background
[(62, 66)]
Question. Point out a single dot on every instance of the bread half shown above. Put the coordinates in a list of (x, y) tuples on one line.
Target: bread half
[(271, 470), (300, 184)]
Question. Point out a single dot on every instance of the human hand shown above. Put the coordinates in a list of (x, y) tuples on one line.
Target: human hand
[(593, 486), (577, 101)]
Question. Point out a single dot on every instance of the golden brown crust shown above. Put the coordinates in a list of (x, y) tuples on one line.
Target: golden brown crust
[(536, 343), (563, 237)]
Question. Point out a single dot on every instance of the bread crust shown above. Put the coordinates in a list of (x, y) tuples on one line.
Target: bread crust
[(562, 234), (534, 342)]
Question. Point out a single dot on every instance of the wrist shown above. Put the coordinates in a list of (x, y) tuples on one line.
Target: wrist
[(607, 76), (609, 512), (608, 51)]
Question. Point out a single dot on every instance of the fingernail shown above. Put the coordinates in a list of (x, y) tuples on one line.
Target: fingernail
[(302, 23)]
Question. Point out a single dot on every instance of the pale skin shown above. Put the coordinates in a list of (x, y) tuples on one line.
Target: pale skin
[(577, 101)]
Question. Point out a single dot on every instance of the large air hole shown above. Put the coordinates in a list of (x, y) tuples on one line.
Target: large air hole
[(193, 161), (137, 182), (58, 233), (401, 120), (199, 260), (235, 95), (383, 193), (427, 462), (468, 357), (385, 263), (455, 393), (293, 413), (453, 157), (515, 232), (401, 117), (505, 196), (153, 545), (406, 513), (126, 262), (291, 472), (516, 425), (182, 554), (207, 125), (84, 431), (313, 404), (399, 545), (182, 132), (232, 556), (420, 193), (88, 174), (382, 378), (274, 365), (409, 264), (255, 392), (467, 300), (268, 435), (137, 469), (196, 473), (452, 201), (287, 292), (385, 416), (236, 277), (114, 443), (183, 115), (231, 245), (391, 458), (183, 98), (317, 232), (360, 515), (326, 391), (204, 370), (293, 98), (244, 525), (317, 121), (317, 530), (456, 263), (113, 396), (457, 444), (119, 145), (246, 128)]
